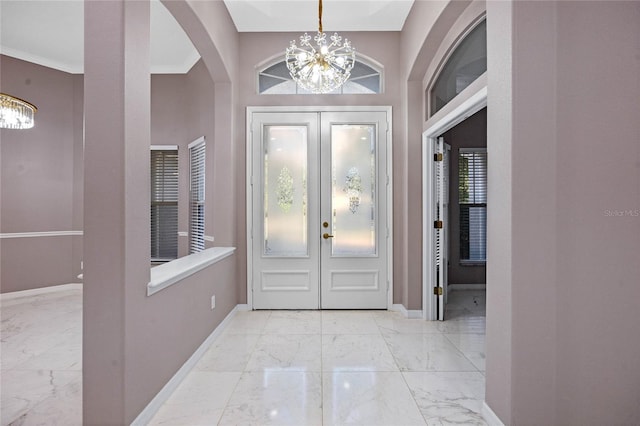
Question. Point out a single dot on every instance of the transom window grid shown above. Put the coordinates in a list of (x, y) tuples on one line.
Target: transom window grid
[(472, 193), (196, 195), (164, 204), (276, 80)]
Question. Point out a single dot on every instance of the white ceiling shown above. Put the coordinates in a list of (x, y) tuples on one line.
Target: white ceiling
[(50, 32), (302, 15)]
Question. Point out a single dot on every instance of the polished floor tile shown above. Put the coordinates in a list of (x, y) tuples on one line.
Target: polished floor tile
[(368, 398), (393, 324), (427, 352), (268, 367), (286, 352), (194, 403), (349, 322), (252, 322), (275, 397), (293, 322), (356, 352), (472, 346), (230, 352), (41, 359), (448, 398)]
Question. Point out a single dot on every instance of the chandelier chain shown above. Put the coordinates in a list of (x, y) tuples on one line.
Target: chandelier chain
[(320, 16)]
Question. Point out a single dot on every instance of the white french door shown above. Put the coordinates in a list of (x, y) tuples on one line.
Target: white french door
[(441, 223), (318, 210)]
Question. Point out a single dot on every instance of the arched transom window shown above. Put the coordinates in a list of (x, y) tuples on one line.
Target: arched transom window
[(274, 79), (467, 62)]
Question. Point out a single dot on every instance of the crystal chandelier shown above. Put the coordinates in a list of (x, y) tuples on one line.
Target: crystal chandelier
[(323, 67), (15, 113)]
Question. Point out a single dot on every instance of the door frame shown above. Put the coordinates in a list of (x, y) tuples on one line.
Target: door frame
[(250, 182), (473, 104)]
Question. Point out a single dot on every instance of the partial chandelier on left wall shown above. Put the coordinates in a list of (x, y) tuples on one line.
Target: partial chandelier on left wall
[(16, 113)]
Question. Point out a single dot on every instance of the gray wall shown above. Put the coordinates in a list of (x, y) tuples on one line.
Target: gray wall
[(41, 178), (42, 181), (133, 344), (563, 265), (471, 133)]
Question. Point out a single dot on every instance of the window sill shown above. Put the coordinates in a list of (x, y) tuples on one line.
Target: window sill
[(473, 263), (162, 276)]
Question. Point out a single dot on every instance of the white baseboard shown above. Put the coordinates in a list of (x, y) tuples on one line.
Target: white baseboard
[(152, 408), (39, 291), (465, 287), (411, 314), (243, 307), (489, 416)]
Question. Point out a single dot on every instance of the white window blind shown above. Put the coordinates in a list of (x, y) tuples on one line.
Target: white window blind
[(196, 195), (164, 204), (472, 192)]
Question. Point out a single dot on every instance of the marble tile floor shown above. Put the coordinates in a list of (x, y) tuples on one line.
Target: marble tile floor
[(339, 367), (268, 367), (41, 359)]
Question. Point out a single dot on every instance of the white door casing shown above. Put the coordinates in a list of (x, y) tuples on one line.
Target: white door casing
[(318, 168), (436, 127)]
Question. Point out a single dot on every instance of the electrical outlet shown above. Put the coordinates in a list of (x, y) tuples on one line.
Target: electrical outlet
[(213, 302)]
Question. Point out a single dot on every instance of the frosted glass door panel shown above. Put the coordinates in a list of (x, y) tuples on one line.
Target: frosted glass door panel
[(353, 190), (285, 191)]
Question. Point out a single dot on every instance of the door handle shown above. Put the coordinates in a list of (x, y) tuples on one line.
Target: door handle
[(326, 236)]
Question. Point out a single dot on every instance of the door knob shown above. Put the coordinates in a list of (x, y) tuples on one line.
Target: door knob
[(326, 236)]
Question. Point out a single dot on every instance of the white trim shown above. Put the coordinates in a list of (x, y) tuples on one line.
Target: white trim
[(152, 408), (249, 181), (164, 147), (389, 111), (243, 307), (162, 276), (249, 200), (466, 109), (303, 108), (40, 234), (489, 416), (466, 287), (198, 141), (39, 291), (410, 314), (474, 103), (71, 68)]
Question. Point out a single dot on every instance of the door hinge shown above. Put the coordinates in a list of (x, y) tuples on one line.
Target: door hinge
[(437, 157), (437, 291), (438, 224)]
